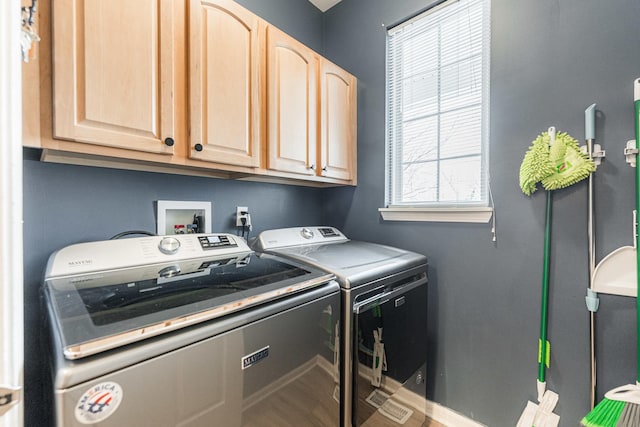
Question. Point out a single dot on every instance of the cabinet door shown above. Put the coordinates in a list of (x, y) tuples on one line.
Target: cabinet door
[(224, 83), (292, 76), (338, 122), (113, 73)]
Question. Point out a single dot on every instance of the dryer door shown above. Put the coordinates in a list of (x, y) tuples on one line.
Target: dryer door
[(390, 356)]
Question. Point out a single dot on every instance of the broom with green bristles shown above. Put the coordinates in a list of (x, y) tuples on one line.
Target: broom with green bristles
[(621, 406)]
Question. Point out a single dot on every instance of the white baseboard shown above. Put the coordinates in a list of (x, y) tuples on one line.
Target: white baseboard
[(448, 417)]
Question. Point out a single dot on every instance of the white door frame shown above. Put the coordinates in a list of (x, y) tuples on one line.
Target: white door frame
[(11, 277)]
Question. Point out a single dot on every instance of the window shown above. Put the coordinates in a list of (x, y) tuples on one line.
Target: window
[(437, 108)]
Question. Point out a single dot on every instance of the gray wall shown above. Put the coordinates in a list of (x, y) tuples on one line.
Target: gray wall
[(550, 60), (69, 204)]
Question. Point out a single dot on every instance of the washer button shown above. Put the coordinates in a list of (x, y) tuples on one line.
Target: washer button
[(169, 245), (306, 233)]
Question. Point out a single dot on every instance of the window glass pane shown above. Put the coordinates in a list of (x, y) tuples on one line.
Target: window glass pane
[(461, 84), (419, 182), (462, 34), (420, 140), (420, 52), (460, 133), (419, 70), (420, 95), (460, 180)]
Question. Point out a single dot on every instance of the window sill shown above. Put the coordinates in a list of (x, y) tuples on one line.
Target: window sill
[(471, 215)]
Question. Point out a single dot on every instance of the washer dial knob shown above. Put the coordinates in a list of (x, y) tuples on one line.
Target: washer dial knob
[(169, 245), (306, 233)]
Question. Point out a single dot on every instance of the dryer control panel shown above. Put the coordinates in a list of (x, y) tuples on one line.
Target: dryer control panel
[(297, 236)]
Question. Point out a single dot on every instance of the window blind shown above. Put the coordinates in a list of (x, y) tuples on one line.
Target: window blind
[(437, 107)]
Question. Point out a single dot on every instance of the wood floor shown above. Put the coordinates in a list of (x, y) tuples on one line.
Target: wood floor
[(308, 402)]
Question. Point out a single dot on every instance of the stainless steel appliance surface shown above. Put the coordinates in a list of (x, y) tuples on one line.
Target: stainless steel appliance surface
[(383, 331), (190, 330)]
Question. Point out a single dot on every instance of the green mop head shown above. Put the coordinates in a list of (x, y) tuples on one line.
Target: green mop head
[(570, 164), (558, 166), (536, 164)]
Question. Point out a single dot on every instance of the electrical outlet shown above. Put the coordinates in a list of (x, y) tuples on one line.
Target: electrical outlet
[(242, 212)]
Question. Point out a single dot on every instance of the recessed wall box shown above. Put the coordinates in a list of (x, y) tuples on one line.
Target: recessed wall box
[(175, 215)]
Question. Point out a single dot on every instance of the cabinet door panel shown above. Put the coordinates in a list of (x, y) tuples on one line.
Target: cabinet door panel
[(225, 93), (292, 92), (338, 122), (113, 73)]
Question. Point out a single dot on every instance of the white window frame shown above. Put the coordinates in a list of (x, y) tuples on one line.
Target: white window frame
[(472, 211)]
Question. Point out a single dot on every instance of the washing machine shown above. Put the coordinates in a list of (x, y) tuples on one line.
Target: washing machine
[(190, 330), (383, 332)]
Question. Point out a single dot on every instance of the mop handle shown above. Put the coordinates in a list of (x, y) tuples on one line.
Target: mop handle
[(637, 237), (542, 353)]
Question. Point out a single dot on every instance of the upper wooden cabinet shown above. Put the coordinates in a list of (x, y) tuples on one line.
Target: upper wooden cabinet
[(114, 77), (292, 109), (224, 70), (311, 112), (338, 111), (196, 87)]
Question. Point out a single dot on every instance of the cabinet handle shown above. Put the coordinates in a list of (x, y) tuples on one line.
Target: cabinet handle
[(169, 142), (198, 147), (312, 167), (324, 169)]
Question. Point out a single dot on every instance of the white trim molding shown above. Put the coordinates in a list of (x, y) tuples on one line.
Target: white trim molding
[(11, 276), (471, 215)]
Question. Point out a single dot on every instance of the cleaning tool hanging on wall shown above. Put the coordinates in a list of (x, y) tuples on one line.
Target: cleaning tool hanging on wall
[(596, 154), (554, 160), (537, 415), (621, 406)]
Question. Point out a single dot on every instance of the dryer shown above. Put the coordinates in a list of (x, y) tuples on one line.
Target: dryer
[(383, 324)]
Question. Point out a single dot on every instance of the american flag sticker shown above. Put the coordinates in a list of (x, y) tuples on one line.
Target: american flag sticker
[(99, 402)]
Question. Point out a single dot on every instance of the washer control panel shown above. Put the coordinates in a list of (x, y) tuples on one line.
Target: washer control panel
[(123, 253), (328, 232), (216, 241)]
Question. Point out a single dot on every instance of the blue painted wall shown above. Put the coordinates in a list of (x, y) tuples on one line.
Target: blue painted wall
[(550, 60)]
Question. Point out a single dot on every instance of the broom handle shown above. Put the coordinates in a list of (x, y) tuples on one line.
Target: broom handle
[(637, 237), (590, 136), (542, 356)]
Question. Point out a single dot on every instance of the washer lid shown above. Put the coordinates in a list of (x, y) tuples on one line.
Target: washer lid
[(98, 311), (354, 262)]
